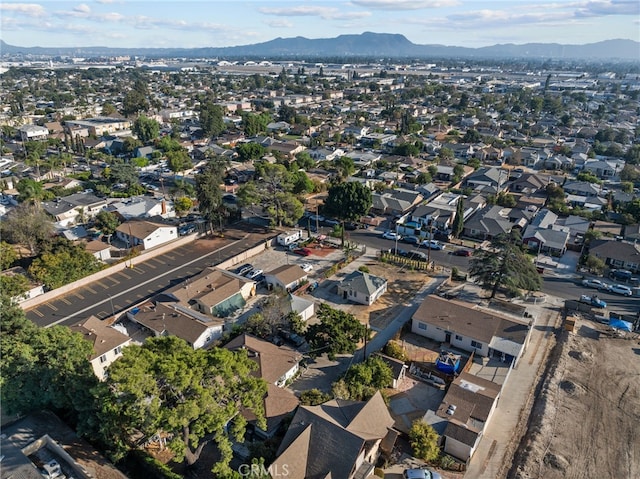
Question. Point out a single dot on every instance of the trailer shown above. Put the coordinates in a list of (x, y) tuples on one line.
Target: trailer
[(289, 237)]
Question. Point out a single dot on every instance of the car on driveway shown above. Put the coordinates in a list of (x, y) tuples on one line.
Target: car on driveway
[(462, 252), (593, 283), (303, 251), (244, 269), (306, 267), (254, 273), (390, 235), (621, 289), (593, 301)]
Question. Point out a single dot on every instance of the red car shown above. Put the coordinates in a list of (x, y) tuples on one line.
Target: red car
[(462, 252), (302, 251)]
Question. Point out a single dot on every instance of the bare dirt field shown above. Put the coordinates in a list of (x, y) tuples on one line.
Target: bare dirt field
[(584, 423)]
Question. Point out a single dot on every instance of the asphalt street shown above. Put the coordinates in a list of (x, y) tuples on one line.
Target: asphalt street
[(147, 278)]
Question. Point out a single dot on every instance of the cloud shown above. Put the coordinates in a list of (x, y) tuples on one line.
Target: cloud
[(326, 13), (608, 7), (280, 23), (404, 4), (82, 8), (27, 9)]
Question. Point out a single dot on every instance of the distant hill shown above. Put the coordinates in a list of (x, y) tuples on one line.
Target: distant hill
[(383, 45)]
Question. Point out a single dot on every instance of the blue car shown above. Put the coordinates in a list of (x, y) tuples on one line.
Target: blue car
[(593, 301)]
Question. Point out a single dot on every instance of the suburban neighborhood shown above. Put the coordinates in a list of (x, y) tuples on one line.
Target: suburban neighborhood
[(319, 270)]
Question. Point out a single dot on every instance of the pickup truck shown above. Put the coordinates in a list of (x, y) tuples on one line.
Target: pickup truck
[(593, 301)]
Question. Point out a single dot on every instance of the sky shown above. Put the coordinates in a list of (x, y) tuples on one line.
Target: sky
[(220, 23)]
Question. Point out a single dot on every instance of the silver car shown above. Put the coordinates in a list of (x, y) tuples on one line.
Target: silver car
[(420, 474)]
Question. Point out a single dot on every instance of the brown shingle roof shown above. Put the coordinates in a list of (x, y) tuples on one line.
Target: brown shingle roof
[(469, 320), (140, 229), (103, 337), (211, 287), (288, 273)]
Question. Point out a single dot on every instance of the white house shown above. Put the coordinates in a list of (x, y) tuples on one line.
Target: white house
[(99, 249), (363, 288), (33, 133), (107, 343), (471, 328), (146, 234), (67, 210), (35, 289), (287, 277)]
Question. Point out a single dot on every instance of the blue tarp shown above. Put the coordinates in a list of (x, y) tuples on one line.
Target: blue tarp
[(620, 324)]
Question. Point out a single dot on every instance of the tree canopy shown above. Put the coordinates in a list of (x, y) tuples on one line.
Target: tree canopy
[(362, 380), (146, 129), (424, 441), (338, 332), (348, 201), (28, 225), (212, 118), (209, 193), (504, 264), (107, 222), (196, 395)]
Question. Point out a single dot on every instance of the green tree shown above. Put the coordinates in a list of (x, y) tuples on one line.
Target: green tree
[(395, 350), (424, 441), (30, 191), (337, 332), (14, 285), (345, 166), (363, 380), (134, 101), (178, 160), (471, 136), (348, 202), (250, 151), (302, 183), (195, 395), (63, 264), (588, 177), (212, 119), (182, 205), (107, 222), (146, 129), (28, 225), (314, 397), (209, 193), (123, 173), (44, 368), (594, 264), (8, 255), (458, 220), (504, 264)]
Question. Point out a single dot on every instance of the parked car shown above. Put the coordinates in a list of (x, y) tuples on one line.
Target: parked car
[(462, 252), (303, 251), (411, 239), (417, 255), (593, 301), (620, 274), (306, 267), (420, 474), (254, 273), (351, 226), (593, 283), (433, 244), (244, 269), (331, 222), (621, 289), (605, 286), (399, 252), (390, 235)]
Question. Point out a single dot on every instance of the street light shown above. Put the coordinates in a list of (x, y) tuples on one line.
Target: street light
[(113, 311)]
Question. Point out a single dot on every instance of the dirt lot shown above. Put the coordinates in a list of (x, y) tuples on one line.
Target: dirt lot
[(585, 420)]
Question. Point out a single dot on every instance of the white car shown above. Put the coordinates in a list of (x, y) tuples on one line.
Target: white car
[(433, 244), (390, 235), (621, 289), (593, 283), (420, 474), (254, 273), (306, 267)]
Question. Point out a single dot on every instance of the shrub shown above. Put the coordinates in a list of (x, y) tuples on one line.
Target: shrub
[(363, 269), (313, 397), (424, 441), (394, 350), (378, 472)]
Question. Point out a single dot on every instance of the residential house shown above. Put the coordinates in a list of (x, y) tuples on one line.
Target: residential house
[(34, 288), (145, 234), (107, 343), (438, 214), (617, 254), (529, 183), (277, 365), (287, 148), (357, 131), (41, 441), (487, 180), (100, 126), (631, 233), (99, 249), (578, 227), (278, 127), (33, 133), (337, 439), (142, 207), (471, 328), (375, 139), (581, 188), (604, 169), (144, 152), (363, 159), (491, 221), (67, 210), (325, 154), (468, 407), (544, 235), (174, 319), (288, 277), (214, 292), (361, 287), (395, 202), (607, 228)]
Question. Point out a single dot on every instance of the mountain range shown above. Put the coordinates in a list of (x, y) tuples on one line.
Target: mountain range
[(365, 45)]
